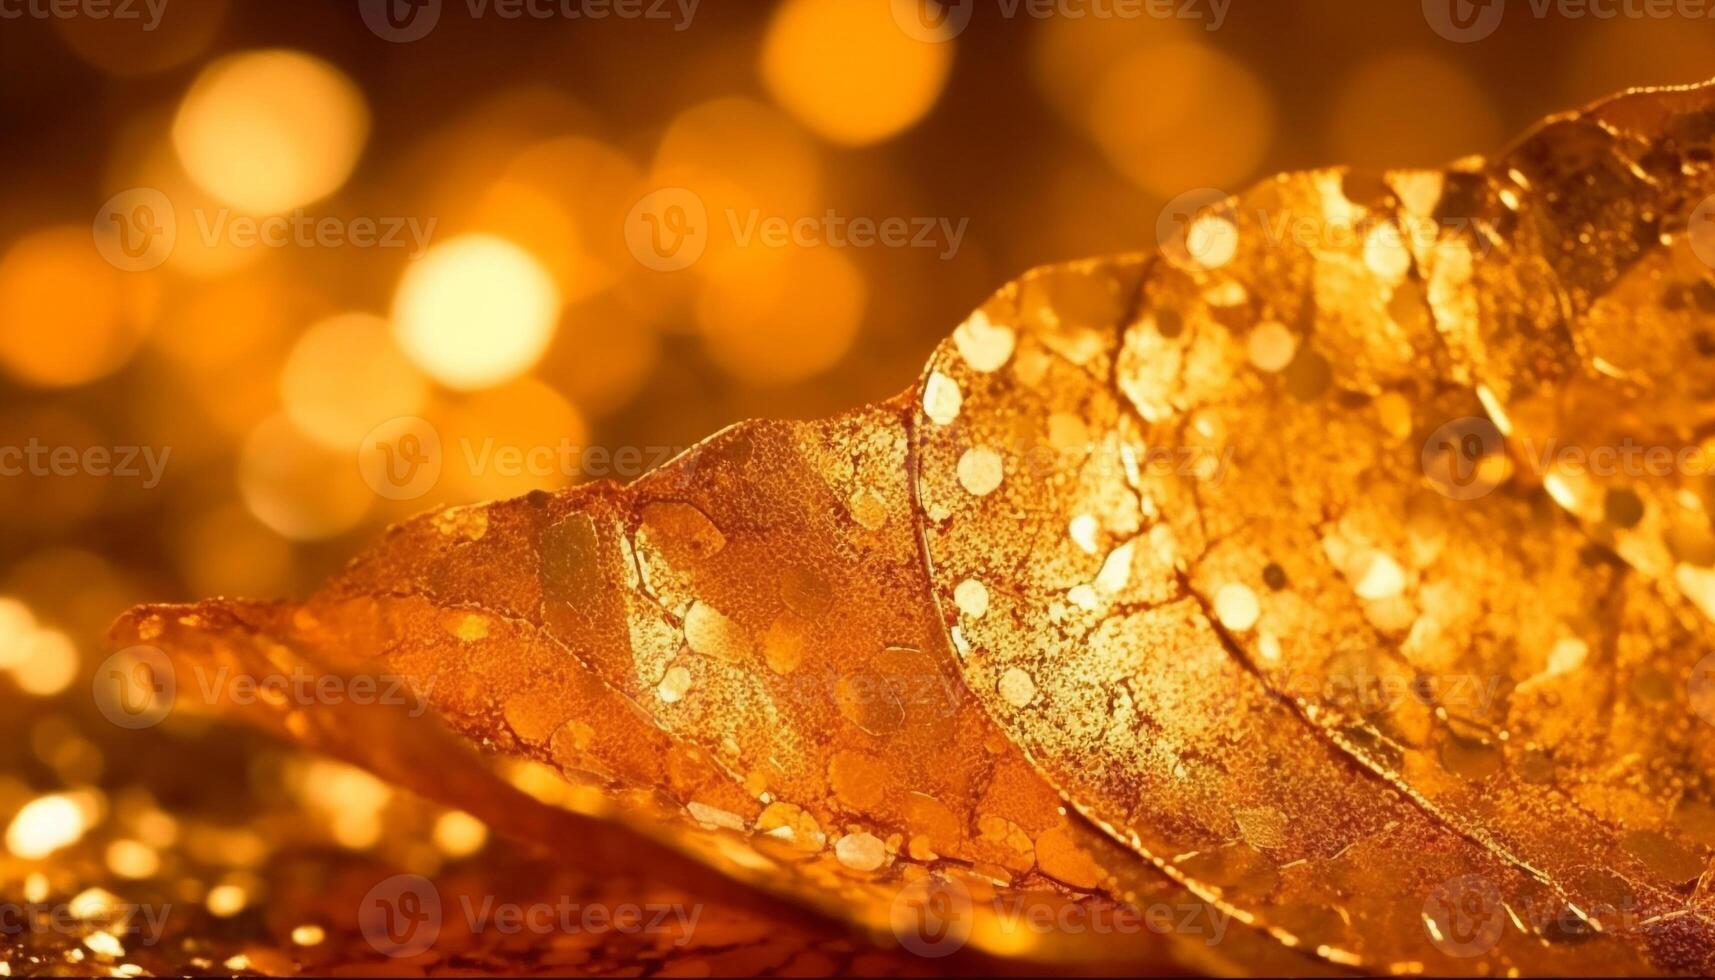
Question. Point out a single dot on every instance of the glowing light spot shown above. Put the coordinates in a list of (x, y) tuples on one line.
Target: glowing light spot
[(103, 943), (1271, 346), (1268, 647), (846, 69), (49, 664), (1212, 240), (44, 825), (984, 345), (1016, 687), (92, 904), (789, 822), (980, 471), (308, 934), (226, 901), (715, 816), (1084, 597), (17, 625), (66, 316), (458, 834), (1568, 655), (475, 312), (972, 598), (1084, 531), (268, 131), (1380, 578), (861, 852), (1236, 606), (941, 399), (132, 859), (471, 628), (1116, 570), (674, 685), (1385, 252), (344, 376)]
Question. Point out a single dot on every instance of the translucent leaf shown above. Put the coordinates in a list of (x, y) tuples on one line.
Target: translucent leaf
[(1229, 578)]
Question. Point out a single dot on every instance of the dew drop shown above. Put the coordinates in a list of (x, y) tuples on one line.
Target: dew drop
[(861, 852), (791, 823), (972, 598), (1236, 606), (1381, 577), (1271, 347), (1084, 530), (1384, 252), (941, 399), (1017, 687), (1212, 240), (984, 345), (674, 685), (1116, 570), (980, 471)]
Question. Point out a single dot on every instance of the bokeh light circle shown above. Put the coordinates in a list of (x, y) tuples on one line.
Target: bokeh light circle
[(475, 311), (272, 130)]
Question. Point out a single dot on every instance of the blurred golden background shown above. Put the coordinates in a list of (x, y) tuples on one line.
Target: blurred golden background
[(260, 262)]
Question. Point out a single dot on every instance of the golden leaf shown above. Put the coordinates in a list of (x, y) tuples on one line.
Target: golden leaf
[(1233, 579)]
